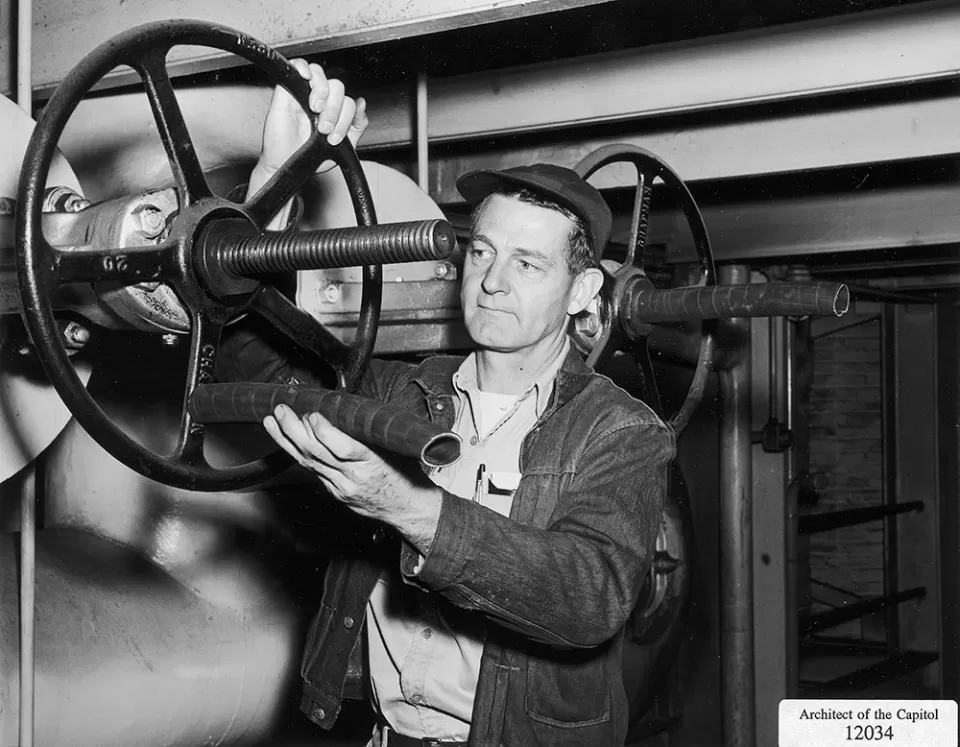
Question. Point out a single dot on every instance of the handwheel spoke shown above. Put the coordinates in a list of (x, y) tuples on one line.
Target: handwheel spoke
[(172, 127), (648, 380), (700, 378), (283, 185), (204, 343), (125, 266), (301, 328), (640, 221)]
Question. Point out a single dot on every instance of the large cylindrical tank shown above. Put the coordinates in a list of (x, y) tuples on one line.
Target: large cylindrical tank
[(158, 621)]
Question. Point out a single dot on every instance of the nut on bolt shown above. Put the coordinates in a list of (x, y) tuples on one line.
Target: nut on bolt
[(589, 325), (151, 222), (445, 271), (330, 294), (74, 335)]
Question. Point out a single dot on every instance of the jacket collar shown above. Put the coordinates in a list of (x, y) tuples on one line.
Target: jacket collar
[(435, 377)]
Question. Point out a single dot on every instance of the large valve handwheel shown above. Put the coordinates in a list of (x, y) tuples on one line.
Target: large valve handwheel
[(612, 334), (185, 259)]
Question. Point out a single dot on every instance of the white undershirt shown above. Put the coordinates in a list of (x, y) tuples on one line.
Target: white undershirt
[(491, 408)]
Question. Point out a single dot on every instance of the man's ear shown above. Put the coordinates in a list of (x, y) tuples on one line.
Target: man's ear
[(586, 287)]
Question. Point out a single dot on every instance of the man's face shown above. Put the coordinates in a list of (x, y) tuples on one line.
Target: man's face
[(517, 289)]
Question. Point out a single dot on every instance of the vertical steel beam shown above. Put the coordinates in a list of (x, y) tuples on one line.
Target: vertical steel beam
[(912, 536), (948, 539), (28, 504), (736, 541), (795, 460), (889, 402), (771, 558)]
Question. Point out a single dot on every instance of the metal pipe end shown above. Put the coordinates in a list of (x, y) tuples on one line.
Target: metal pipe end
[(443, 450), (841, 300), (444, 239)]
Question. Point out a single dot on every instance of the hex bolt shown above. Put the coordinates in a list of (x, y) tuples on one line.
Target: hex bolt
[(75, 336), (151, 222), (445, 271), (589, 325), (330, 294)]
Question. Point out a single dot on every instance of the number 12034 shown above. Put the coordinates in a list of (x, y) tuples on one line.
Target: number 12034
[(861, 733)]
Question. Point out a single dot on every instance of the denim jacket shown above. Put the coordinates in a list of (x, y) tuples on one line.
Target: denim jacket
[(556, 580)]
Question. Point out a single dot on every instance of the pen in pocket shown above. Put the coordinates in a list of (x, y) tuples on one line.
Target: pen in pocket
[(478, 491)]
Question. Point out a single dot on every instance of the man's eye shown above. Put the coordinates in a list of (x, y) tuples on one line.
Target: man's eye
[(527, 267), (478, 254)]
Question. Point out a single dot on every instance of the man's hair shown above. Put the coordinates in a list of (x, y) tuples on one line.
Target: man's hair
[(579, 249)]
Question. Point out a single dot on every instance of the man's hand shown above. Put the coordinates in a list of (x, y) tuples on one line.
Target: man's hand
[(358, 477), (287, 126)]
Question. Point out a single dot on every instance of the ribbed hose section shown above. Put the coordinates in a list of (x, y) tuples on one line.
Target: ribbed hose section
[(647, 306), (327, 249), (361, 418)]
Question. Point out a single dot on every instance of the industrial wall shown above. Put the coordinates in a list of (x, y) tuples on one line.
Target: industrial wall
[(846, 448)]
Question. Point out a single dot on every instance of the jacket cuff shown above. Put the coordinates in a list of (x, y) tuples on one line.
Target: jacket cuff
[(444, 562)]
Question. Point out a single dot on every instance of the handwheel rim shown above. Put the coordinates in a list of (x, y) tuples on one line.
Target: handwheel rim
[(35, 272), (629, 274)]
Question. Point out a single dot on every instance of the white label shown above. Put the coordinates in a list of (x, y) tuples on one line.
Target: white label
[(847, 723)]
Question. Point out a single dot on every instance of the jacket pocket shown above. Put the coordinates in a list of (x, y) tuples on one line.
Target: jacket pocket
[(569, 693), (319, 631)]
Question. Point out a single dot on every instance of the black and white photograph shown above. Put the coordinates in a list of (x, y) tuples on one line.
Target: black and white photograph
[(479, 373)]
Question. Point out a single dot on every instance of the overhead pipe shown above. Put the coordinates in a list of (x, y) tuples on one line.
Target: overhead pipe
[(28, 502), (738, 703), (652, 306)]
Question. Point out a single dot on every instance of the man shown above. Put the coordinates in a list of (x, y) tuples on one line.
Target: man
[(491, 610)]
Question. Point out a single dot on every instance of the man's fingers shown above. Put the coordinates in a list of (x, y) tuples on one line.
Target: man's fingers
[(319, 88), (331, 110), (282, 100), (341, 446), (291, 431), (360, 119), (302, 67), (342, 128), (277, 434)]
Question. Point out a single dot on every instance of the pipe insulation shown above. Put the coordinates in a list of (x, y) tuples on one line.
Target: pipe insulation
[(649, 306), (361, 418)]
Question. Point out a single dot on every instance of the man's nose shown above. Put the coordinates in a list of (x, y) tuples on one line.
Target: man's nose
[(495, 278)]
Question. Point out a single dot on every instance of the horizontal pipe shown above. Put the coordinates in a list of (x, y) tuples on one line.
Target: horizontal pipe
[(834, 617), (645, 306), (822, 522), (383, 244), (361, 418)]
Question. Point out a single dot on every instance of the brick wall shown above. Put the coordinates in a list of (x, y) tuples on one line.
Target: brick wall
[(846, 448)]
